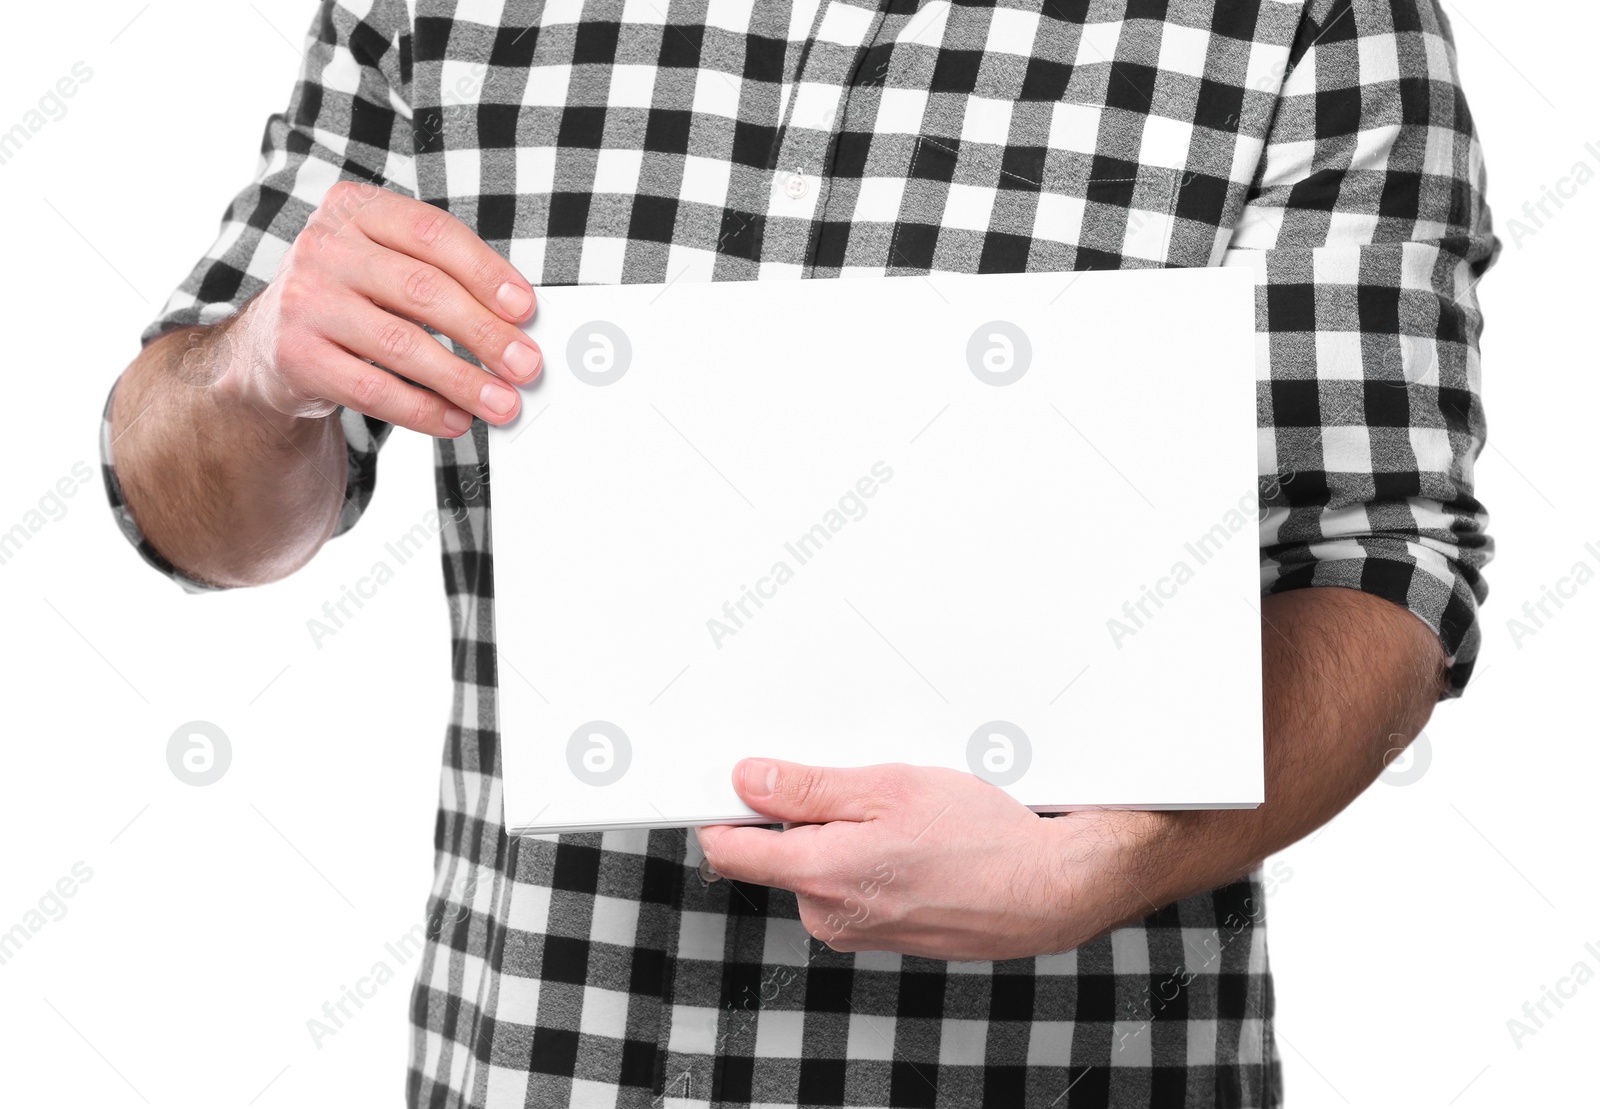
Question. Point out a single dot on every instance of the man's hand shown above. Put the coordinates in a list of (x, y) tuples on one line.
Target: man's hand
[(369, 269), (939, 863), (927, 861), (222, 435)]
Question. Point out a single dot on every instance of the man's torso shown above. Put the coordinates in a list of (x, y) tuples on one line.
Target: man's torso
[(657, 142)]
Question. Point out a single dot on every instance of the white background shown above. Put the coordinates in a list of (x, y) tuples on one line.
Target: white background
[(219, 920)]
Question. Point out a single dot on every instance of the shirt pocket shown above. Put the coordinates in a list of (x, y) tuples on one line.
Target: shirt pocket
[(1044, 203)]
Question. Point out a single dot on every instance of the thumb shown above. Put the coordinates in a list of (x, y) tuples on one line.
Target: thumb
[(796, 793)]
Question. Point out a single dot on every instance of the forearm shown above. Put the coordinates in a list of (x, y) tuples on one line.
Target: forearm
[(1346, 678), (972, 874), (229, 491)]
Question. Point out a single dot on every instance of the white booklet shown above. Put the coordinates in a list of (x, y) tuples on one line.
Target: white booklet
[(1002, 523)]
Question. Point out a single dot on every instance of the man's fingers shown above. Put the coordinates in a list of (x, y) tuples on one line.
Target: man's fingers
[(422, 291), (763, 856), (408, 350), (376, 392), (371, 271), (420, 230), (800, 794)]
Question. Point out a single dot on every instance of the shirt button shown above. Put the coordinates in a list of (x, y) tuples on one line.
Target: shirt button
[(708, 873), (795, 186)]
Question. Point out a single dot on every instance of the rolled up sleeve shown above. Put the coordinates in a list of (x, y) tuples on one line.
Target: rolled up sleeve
[(1368, 232)]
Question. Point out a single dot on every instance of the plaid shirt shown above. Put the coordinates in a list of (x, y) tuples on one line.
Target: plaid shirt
[(1325, 146)]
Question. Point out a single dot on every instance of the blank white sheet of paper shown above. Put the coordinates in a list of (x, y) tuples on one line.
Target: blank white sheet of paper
[(1002, 523)]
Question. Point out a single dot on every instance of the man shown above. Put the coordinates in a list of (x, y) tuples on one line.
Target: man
[(441, 160)]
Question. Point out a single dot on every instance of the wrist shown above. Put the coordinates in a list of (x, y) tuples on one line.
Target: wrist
[(1108, 868), (225, 362), (1174, 854)]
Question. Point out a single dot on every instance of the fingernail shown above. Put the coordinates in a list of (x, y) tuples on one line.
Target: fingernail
[(760, 778), (522, 360), (498, 398), (514, 299), (457, 420)]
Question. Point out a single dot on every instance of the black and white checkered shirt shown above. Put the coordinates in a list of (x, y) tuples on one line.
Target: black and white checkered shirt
[(1325, 146)]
